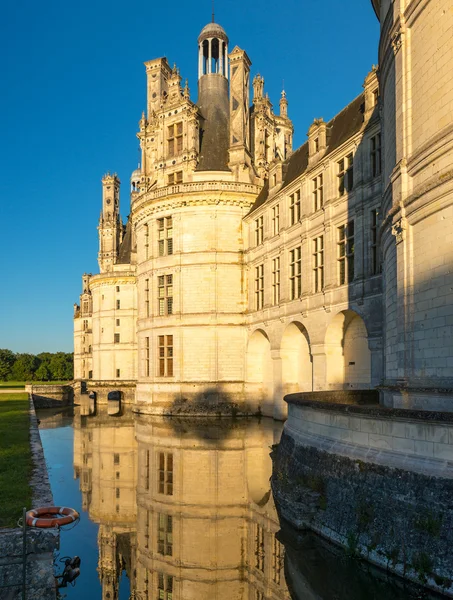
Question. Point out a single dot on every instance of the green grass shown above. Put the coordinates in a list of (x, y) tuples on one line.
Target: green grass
[(21, 384), (15, 458)]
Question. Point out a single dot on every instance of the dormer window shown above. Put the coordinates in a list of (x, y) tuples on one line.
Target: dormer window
[(316, 145), (174, 139), (175, 178)]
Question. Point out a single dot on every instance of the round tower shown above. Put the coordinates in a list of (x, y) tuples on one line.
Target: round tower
[(213, 98)]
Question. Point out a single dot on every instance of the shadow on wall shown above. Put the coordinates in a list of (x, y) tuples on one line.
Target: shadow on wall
[(213, 402)]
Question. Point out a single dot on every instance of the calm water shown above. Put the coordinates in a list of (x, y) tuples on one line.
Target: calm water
[(182, 510)]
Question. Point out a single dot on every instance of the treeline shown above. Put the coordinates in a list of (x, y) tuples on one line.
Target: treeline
[(46, 366)]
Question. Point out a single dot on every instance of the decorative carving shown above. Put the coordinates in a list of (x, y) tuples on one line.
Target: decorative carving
[(399, 230), (397, 41)]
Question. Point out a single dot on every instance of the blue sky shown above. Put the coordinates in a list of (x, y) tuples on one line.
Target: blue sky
[(73, 85)]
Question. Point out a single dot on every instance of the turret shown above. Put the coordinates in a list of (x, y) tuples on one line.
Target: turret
[(110, 225), (213, 98)]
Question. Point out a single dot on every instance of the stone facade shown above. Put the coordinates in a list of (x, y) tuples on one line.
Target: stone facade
[(247, 271)]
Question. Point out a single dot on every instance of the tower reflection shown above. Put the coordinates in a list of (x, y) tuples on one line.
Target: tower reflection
[(184, 506)]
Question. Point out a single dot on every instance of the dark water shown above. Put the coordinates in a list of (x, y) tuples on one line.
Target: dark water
[(182, 510)]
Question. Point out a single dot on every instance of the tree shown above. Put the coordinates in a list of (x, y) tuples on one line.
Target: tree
[(7, 360), (25, 367), (43, 372)]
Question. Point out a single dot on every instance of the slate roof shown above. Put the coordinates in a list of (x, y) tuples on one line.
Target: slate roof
[(343, 126), (124, 254)]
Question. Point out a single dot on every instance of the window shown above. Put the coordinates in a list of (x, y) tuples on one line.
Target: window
[(118, 373), (345, 174), (276, 219), (174, 139), (346, 252), (376, 155), (117, 492), (165, 290), (165, 534), (146, 239), (376, 97), (147, 356), (147, 470), (318, 192), (277, 561), (276, 280), (259, 548), (85, 325), (164, 586), (118, 322), (375, 262), (316, 145), (175, 178), (165, 473), (117, 338), (147, 529), (318, 263), (294, 207), (116, 459), (295, 264), (118, 304), (90, 374), (259, 230), (259, 287), (165, 236), (117, 288), (165, 355), (86, 306), (147, 297)]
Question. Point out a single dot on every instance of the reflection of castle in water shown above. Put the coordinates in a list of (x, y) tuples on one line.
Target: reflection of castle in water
[(185, 508)]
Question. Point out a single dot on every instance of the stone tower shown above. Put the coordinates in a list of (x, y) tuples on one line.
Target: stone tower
[(110, 225)]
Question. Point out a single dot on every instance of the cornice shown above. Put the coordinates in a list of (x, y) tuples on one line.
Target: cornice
[(104, 279)]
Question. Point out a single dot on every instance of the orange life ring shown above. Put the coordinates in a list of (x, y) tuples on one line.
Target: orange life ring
[(51, 516)]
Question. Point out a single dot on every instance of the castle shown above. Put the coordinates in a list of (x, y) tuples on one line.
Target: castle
[(247, 270)]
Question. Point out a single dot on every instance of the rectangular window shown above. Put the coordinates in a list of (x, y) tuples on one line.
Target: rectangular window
[(165, 365), (295, 276), (118, 373), (259, 287), (85, 325), (146, 534), (376, 155), (116, 338), (165, 291), (375, 261), (276, 219), (147, 297), (259, 230), (165, 473), (346, 253), (146, 230), (117, 492), (277, 561), (118, 304), (165, 534), (276, 281), (174, 139), (164, 586), (147, 356), (118, 322), (259, 548), (116, 459), (294, 208), (318, 263), (147, 470), (318, 192), (117, 288), (165, 236), (175, 178), (345, 174)]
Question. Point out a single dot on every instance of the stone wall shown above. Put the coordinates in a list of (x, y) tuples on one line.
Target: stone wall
[(51, 396), (377, 481), (40, 543)]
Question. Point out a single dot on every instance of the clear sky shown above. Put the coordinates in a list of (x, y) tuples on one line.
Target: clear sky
[(73, 89)]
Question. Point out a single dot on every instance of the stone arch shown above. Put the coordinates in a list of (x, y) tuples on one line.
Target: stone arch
[(297, 366), (259, 366), (348, 357)]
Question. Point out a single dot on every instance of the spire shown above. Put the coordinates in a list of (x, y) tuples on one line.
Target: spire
[(283, 105), (213, 12)]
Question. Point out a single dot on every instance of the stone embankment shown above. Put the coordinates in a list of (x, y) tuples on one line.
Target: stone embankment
[(50, 396), (375, 480), (40, 543)]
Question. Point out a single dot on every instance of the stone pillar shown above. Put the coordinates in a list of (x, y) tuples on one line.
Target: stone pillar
[(221, 45), (200, 60), (209, 69), (319, 366)]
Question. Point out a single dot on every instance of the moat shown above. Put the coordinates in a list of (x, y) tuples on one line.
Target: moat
[(178, 509)]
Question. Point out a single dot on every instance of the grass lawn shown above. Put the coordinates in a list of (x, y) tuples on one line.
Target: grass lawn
[(21, 384), (15, 458)]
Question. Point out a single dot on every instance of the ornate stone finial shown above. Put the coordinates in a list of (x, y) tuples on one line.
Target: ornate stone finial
[(283, 105), (186, 92)]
